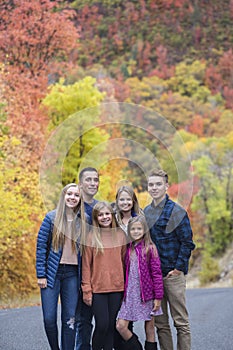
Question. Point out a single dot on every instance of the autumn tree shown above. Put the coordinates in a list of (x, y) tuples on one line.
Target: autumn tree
[(34, 37), (77, 103), (21, 211), (219, 78), (189, 80), (135, 31), (213, 166)]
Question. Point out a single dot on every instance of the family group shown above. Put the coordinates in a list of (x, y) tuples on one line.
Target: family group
[(116, 263)]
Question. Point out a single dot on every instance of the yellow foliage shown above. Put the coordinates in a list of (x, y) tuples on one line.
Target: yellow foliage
[(65, 100), (21, 211), (229, 139), (143, 198), (189, 79)]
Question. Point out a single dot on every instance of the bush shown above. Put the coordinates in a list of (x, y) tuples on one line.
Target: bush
[(209, 269)]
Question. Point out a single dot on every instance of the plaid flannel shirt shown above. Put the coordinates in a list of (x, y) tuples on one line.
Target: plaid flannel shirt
[(171, 232)]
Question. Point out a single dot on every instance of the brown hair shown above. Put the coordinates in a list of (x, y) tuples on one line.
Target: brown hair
[(158, 172), (131, 193), (96, 230), (84, 170), (148, 243)]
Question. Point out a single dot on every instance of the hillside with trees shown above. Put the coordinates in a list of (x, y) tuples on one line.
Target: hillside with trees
[(120, 85)]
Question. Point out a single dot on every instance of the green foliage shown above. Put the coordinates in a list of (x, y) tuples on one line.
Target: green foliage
[(107, 3), (209, 269), (64, 100), (95, 137), (79, 100), (180, 151), (189, 80), (3, 117), (224, 125), (153, 93), (180, 110), (185, 29), (213, 166), (151, 53)]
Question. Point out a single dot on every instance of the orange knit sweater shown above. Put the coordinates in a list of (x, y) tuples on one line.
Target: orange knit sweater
[(104, 272)]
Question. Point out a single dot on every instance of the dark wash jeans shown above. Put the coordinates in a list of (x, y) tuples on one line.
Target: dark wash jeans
[(66, 285), (84, 325)]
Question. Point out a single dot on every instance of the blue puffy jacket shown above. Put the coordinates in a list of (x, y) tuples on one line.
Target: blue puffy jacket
[(47, 260)]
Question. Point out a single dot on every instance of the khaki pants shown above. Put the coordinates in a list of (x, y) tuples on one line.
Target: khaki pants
[(174, 296)]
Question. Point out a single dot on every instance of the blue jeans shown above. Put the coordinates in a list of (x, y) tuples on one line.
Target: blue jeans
[(66, 285), (84, 326)]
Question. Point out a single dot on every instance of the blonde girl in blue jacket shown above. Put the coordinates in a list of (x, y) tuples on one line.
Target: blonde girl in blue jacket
[(143, 285), (58, 265)]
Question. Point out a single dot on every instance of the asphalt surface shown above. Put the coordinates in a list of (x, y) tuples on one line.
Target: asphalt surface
[(210, 310)]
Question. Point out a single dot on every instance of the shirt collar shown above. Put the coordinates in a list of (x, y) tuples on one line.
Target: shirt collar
[(161, 204)]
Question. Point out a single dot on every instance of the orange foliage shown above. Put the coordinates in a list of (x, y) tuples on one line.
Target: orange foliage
[(33, 36), (36, 35), (197, 125)]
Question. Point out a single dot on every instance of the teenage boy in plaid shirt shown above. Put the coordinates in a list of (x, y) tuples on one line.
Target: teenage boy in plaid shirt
[(172, 234)]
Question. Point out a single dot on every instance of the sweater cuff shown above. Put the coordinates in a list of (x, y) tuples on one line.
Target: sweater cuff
[(87, 295)]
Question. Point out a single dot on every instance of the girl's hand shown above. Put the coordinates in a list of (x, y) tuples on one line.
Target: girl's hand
[(87, 301), (42, 282), (157, 304)]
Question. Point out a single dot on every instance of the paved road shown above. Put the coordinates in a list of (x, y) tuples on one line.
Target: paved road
[(211, 316)]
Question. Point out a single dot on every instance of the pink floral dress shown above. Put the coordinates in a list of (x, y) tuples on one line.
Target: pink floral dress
[(132, 308)]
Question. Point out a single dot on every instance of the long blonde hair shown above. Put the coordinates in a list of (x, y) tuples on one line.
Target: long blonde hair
[(96, 229), (148, 243), (61, 223)]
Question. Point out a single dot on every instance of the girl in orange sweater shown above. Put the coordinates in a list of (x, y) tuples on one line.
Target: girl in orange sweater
[(103, 273)]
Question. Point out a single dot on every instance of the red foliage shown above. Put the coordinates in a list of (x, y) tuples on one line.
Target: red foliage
[(168, 4), (228, 95), (197, 35), (184, 191), (146, 54), (213, 79), (197, 126), (122, 90), (163, 71), (220, 78), (33, 36), (225, 67), (231, 8)]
